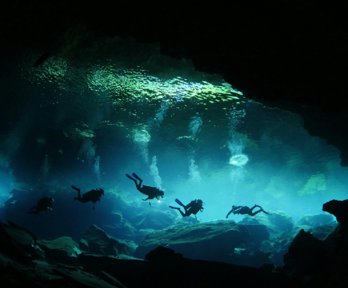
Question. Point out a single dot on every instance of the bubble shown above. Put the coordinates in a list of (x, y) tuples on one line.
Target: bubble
[(239, 160), (141, 136)]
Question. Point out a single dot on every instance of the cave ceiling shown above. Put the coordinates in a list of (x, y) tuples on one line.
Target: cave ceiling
[(289, 54)]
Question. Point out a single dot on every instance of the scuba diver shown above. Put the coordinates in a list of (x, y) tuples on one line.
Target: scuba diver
[(192, 208), (246, 210), (151, 192), (43, 204), (93, 195)]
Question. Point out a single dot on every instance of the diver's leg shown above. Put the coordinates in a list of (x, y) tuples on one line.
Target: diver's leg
[(139, 184), (137, 180), (134, 180), (182, 213), (130, 177), (261, 209), (179, 202), (254, 213), (78, 192), (251, 213), (137, 177), (177, 208), (264, 211)]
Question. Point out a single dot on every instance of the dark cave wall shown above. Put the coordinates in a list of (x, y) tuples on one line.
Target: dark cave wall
[(288, 54)]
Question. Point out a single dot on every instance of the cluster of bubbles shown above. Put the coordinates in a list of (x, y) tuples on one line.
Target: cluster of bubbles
[(142, 138), (195, 125), (239, 160), (154, 172)]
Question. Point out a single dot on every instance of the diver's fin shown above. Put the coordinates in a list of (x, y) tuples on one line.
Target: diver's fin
[(177, 208), (75, 188), (179, 202), (130, 177), (136, 176)]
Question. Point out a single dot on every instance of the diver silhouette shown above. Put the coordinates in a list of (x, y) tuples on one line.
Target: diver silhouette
[(93, 195), (43, 204), (245, 210), (192, 208), (149, 191)]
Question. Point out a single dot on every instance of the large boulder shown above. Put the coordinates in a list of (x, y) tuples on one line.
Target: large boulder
[(306, 255), (97, 241), (278, 222), (60, 249), (18, 242), (339, 209), (320, 225), (217, 241), (153, 219)]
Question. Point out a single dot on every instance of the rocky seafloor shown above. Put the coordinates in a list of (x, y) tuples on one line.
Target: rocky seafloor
[(269, 251)]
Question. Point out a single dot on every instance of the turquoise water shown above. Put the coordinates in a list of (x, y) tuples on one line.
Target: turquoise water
[(89, 115)]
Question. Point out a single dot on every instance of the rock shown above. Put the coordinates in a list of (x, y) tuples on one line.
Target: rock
[(316, 220), (97, 241), (153, 219), (216, 241), (60, 249), (161, 253), (306, 256), (339, 209), (277, 222), (320, 226), (18, 242)]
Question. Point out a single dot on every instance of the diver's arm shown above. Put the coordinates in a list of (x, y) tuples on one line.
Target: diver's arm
[(228, 214)]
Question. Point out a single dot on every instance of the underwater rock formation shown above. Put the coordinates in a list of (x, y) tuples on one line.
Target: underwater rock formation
[(60, 249), (163, 268), (306, 256), (96, 241), (154, 219), (339, 209), (309, 262), (18, 242), (216, 241), (321, 263)]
